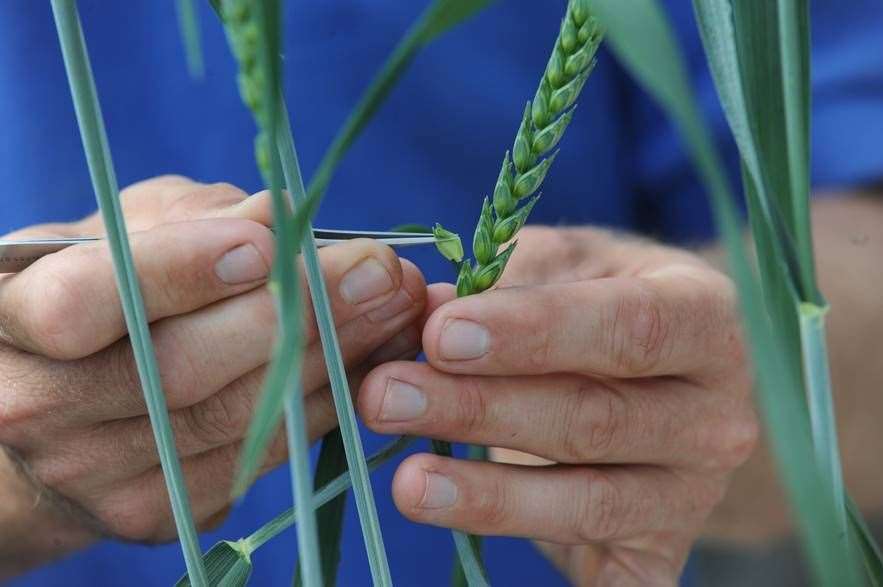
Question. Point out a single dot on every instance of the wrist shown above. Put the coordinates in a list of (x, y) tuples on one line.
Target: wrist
[(37, 526)]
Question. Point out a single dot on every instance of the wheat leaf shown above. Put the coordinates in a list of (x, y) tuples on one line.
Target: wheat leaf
[(94, 136), (644, 42), (329, 518), (227, 564), (188, 24), (343, 403), (439, 17), (253, 29)]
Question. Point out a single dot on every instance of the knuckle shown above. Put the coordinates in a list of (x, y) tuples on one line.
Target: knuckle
[(52, 315), (592, 432), (122, 369), (217, 419), (471, 414), (176, 356), (638, 331), (574, 429), (129, 517), (738, 440), (599, 516), (201, 200), (492, 506), (542, 347), (19, 406)]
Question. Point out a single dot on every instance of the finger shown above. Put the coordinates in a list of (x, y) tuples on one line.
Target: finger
[(139, 509), (567, 419), (437, 294), (66, 305), (201, 353), (198, 354), (680, 322), (569, 505), (167, 199), (126, 448)]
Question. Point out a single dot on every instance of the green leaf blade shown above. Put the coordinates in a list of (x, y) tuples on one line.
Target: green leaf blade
[(330, 517), (227, 564), (643, 41), (362, 490), (188, 24), (95, 144)]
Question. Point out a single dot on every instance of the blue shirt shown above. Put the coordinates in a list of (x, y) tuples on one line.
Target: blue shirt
[(430, 155)]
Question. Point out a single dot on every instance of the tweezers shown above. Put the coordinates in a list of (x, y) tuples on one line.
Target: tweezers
[(17, 255)]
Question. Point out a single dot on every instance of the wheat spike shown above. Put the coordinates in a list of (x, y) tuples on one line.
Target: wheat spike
[(545, 119), (239, 18)]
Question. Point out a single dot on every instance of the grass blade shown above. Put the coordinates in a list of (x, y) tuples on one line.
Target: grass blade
[(188, 23), (253, 29), (818, 391), (439, 17), (446, 14), (794, 39), (871, 556), (468, 546), (227, 564), (644, 42), (331, 464), (104, 182), (331, 490), (225, 559), (343, 402)]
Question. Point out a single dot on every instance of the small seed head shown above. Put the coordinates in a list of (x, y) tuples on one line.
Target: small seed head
[(483, 243), (262, 155), (505, 229), (580, 60), (465, 285), (578, 12), (563, 98), (487, 276), (504, 201), (521, 152), (530, 182), (540, 106), (555, 69), (448, 243), (568, 36), (548, 138)]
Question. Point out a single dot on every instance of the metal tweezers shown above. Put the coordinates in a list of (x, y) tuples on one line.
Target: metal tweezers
[(17, 255)]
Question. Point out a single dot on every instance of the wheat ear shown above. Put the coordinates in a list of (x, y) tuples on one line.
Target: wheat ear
[(243, 33), (542, 126)]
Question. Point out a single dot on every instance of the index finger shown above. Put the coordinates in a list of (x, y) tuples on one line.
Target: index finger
[(674, 324)]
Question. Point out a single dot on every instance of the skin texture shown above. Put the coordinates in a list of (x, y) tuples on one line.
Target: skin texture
[(613, 382), (615, 385), (78, 459), (620, 364)]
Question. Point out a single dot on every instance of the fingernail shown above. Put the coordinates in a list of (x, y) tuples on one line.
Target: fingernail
[(365, 281), (398, 304), (401, 402), (403, 342), (241, 265), (440, 492), (463, 339)]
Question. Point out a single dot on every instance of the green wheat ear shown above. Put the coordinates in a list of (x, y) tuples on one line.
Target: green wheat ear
[(542, 126), (243, 32)]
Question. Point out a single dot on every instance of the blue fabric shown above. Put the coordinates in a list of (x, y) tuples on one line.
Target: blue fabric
[(433, 150)]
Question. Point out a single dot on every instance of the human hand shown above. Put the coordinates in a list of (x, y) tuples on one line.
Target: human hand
[(80, 457), (615, 363)]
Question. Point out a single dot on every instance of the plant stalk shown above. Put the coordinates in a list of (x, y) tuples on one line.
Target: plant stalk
[(94, 136), (343, 402)]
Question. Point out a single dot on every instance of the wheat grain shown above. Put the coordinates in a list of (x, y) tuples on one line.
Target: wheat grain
[(545, 119)]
